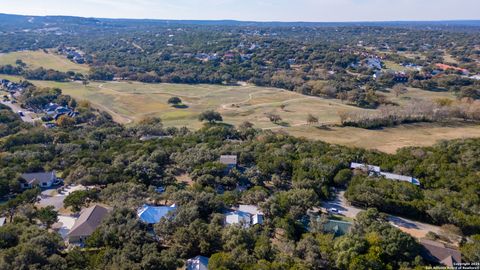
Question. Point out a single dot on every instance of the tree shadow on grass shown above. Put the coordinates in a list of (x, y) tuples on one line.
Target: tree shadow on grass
[(322, 127), (283, 124)]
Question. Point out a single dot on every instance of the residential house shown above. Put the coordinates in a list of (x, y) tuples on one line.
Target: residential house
[(229, 56), (376, 171), (256, 215), (40, 179), (400, 78), (374, 63), (366, 168), (87, 223), (3, 220), (237, 217), (197, 263), (475, 77), (50, 108), (403, 178), (153, 214), (9, 86), (438, 253), (229, 160), (245, 215), (448, 67)]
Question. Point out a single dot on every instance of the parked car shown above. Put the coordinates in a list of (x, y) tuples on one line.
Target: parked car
[(334, 210)]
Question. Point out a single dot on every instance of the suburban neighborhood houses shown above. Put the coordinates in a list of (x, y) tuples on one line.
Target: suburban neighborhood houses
[(47, 114), (171, 144)]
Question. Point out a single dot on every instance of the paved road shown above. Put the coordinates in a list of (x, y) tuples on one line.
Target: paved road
[(414, 228), (28, 116)]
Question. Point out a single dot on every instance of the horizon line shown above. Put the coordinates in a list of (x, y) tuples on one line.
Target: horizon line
[(245, 21)]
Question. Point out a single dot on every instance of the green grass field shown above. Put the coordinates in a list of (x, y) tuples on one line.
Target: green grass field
[(128, 102), (133, 101), (50, 60)]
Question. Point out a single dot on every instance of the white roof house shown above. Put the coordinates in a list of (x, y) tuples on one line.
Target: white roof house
[(403, 178), (237, 217), (229, 160), (256, 214), (365, 167), (376, 171), (246, 215)]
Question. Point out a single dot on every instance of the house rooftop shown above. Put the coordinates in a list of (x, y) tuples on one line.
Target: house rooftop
[(365, 167), (439, 253), (89, 220), (39, 177), (228, 159), (251, 209), (238, 217), (398, 177), (153, 214), (197, 263)]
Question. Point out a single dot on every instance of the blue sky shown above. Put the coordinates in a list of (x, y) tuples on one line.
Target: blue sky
[(258, 10)]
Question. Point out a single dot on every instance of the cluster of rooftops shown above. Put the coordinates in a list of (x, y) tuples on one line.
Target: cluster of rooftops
[(11, 87), (57, 110), (243, 215)]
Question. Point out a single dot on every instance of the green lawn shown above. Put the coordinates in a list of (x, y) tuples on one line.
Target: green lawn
[(50, 60)]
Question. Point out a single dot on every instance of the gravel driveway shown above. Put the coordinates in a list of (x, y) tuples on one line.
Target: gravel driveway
[(414, 228)]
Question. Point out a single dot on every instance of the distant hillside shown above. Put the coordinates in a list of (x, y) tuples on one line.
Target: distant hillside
[(20, 21)]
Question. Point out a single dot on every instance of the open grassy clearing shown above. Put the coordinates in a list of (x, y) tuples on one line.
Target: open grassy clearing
[(389, 140), (131, 101), (50, 60), (415, 94)]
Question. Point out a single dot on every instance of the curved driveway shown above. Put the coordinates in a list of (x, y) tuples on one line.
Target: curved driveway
[(414, 228)]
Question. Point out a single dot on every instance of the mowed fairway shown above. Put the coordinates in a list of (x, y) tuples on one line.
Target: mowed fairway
[(50, 60), (128, 102), (132, 101)]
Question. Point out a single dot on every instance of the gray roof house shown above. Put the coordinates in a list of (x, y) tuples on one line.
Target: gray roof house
[(2, 221), (438, 253), (41, 179), (197, 263), (87, 223), (229, 160)]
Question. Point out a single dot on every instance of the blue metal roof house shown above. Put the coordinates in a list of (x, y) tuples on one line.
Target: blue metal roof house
[(153, 214), (197, 263)]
